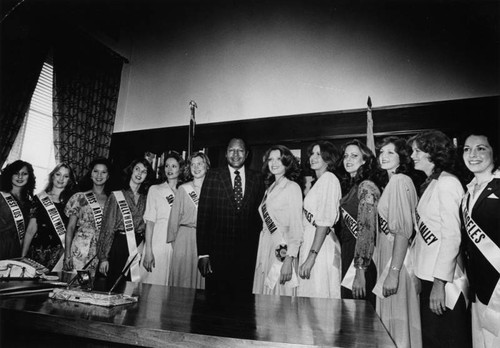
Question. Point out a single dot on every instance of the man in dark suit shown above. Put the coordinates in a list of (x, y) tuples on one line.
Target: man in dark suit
[(229, 224)]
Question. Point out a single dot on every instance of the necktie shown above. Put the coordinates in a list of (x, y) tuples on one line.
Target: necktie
[(238, 192)]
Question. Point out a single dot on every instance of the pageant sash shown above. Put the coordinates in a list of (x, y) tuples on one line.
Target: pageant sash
[(427, 235), (352, 226), (336, 257), (350, 222), (17, 214), (96, 209), (271, 226), (170, 199), (190, 191), (309, 217), (57, 223), (128, 223), (460, 283), (491, 252)]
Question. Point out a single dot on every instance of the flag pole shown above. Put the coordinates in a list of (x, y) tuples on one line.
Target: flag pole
[(370, 140), (192, 125)]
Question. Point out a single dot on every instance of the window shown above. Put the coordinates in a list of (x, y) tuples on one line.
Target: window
[(34, 143)]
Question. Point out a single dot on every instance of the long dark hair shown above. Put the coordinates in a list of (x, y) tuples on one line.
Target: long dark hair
[(367, 171), (13, 168), (329, 153), (144, 187), (86, 183), (466, 174), (403, 149), (70, 187), (182, 164), (292, 167)]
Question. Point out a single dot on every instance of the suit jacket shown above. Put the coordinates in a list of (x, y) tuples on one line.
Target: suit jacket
[(230, 237), (486, 215), (437, 244)]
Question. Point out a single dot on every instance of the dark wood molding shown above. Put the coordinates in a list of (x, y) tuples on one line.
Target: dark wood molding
[(297, 131)]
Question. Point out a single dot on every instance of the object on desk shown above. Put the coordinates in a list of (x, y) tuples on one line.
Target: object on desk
[(21, 267), (84, 279), (27, 286), (92, 297), (123, 273)]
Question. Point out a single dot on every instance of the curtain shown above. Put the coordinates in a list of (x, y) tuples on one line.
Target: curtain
[(86, 85), (24, 46)]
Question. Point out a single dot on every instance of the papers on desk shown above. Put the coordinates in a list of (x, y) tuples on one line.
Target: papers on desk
[(92, 297)]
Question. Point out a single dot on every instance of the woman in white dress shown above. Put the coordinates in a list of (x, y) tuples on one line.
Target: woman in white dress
[(281, 213), (182, 226), (157, 252), (319, 269)]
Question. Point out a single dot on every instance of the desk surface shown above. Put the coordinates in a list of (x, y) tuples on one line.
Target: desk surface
[(186, 318)]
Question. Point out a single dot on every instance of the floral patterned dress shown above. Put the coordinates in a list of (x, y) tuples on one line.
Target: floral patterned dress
[(84, 245)]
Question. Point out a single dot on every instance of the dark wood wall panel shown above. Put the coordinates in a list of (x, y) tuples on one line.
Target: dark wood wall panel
[(299, 131)]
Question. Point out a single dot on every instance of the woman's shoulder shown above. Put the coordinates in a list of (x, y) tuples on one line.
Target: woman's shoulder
[(329, 177), (448, 181), (401, 179), (291, 185), (187, 186)]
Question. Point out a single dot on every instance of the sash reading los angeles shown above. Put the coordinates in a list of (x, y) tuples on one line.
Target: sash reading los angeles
[(17, 214), (350, 222), (491, 252), (352, 226)]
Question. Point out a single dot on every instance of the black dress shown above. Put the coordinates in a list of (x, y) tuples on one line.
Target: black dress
[(46, 247)]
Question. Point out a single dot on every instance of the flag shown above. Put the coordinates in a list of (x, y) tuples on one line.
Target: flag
[(192, 125), (370, 140)]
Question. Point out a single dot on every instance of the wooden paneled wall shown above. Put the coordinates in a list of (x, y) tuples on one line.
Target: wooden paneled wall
[(299, 131)]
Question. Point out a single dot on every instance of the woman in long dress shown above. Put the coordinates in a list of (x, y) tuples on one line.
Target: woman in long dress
[(438, 261), (17, 186), (358, 230), (319, 256), (45, 237), (480, 208), (85, 212), (397, 299), (281, 213), (157, 252), (182, 226)]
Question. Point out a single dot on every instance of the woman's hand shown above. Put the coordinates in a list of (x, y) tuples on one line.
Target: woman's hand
[(306, 267), (149, 260), (286, 270), (104, 267), (68, 263), (437, 300), (391, 283), (359, 284)]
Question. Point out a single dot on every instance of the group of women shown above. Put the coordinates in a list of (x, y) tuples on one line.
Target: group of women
[(368, 227), (409, 243)]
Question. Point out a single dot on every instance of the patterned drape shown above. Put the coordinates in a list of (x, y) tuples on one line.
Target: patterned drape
[(86, 84), (23, 49)]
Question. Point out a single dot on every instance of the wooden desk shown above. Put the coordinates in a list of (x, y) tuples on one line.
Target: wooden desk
[(169, 316)]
